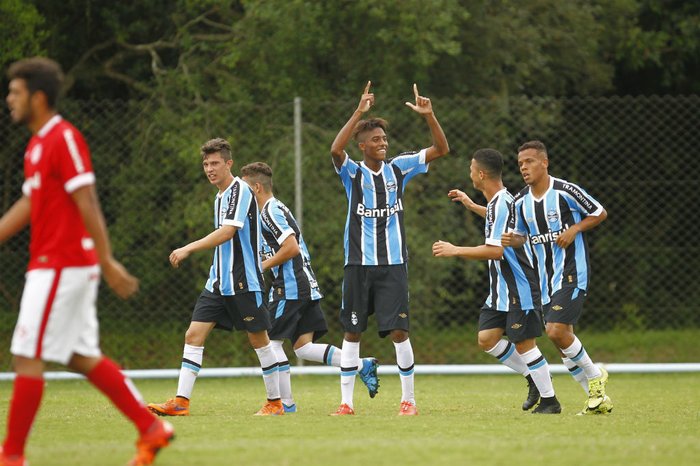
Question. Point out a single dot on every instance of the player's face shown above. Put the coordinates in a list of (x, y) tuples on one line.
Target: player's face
[(533, 166), (474, 174), (375, 145), (18, 101), (216, 168)]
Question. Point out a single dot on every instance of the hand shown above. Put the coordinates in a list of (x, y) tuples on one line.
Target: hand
[(178, 256), (423, 105), (507, 239), (367, 99), (444, 249), (459, 196), (119, 279), (567, 237)]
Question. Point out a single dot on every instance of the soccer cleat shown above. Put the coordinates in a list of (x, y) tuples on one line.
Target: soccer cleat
[(408, 409), (290, 409), (158, 436), (6, 460), (605, 407), (533, 394), (368, 375), (548, 406), (177, 406), (343, 410), (271, 408), (596, 389)]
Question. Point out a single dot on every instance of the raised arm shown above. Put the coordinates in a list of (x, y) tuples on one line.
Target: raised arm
[(459, 196), (345, 133), (424, 107), (15, 219), (288, 250), (212, 240)]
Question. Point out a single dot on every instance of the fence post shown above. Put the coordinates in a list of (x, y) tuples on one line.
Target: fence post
[(298, 193)]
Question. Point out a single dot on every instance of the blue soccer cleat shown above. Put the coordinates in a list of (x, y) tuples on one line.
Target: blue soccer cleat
[(368, 375), (290, 409)]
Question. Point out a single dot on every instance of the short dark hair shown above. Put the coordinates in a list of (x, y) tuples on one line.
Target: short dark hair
[(259, 172), (41, 74), (213, 146), (369, 124), (537, 145), (490, 161)]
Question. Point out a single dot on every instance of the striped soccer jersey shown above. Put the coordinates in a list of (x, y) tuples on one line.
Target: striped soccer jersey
[(374, 228), (543, 220), (236, 267), (513, 281), (294, 279)]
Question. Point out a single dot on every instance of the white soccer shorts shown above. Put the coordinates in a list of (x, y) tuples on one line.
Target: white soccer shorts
[(57, 315)]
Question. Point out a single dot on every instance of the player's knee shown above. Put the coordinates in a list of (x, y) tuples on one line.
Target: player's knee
[(194, 337), (486, 342), (554, 333)]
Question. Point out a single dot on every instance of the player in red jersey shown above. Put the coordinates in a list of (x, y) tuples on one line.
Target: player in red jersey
[(69, 249)]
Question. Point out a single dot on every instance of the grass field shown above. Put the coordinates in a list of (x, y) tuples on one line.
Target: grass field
[(463, 420)]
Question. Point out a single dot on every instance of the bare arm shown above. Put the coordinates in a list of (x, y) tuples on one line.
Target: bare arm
[(15, 219), (345, 133), (117, 277), (212, 240), (424, 107), (481, 252), (459, 196), (588, 223), (512, 239), (288, 250)]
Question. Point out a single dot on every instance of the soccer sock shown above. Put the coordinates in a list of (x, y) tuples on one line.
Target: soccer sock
[(404, 359), (580, 357), (108, 378), (268, 362), (577, 373), (539, 370), (505, 352), (26, 398), (349, 357), (191, 364), (284, 374), (317, 352)]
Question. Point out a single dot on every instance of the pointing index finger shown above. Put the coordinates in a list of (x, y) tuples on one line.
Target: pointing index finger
[(415, 90), (369, 83)]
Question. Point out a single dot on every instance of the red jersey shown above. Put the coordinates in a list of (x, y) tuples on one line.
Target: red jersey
[(57, 162)]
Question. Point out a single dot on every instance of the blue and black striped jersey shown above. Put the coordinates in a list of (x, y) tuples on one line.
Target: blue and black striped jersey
[(374, 228), (543, 220), (513, 281), (236, 267), (294, 279)]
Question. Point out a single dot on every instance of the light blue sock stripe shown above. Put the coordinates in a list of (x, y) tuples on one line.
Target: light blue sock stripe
[(510, 351), (329, 361), (538, 365), (270, 371), (581, 354), (190, 367), (348, 373), (284, 368), (406, 373), (576, 371)]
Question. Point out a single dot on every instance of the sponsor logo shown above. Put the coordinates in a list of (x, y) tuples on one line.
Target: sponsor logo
[(549, 237), (240, 285), (516, 326), (353, 318), (403, 315), (579, 196), (552, 216), (557, 307), (391, 186), (570, 278), (35, 154), (280, 291), (387, 211), (515, 300), (249, 318), (34, 182)]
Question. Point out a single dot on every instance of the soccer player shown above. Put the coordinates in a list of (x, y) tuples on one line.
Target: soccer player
[(376, 273), (513, 304), (553, 214), (295, 298), (233, 294), (68, 251)]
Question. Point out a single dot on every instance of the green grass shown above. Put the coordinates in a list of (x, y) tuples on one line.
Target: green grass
[(463, 420)]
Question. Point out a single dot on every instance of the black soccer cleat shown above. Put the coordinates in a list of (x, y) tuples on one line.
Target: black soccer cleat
[(548, 406), (533, 394)]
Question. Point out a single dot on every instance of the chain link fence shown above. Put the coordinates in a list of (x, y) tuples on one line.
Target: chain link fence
[(638, 156)]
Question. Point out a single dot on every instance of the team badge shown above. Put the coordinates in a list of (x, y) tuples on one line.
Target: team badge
[(391, 186), (552, 216), (353, 318)]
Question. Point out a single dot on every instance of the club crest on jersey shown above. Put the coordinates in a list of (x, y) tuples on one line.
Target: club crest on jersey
[(353, 318), (391, 187), (552, 216)]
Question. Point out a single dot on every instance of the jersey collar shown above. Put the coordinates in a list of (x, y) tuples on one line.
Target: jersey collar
[(48, 126), (378, 172), (218, 195)]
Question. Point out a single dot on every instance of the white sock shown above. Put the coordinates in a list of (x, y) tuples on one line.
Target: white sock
[(189, 370), (505, 352), (579, 356), (348, 370), (404, 359), (268, 362), (327, 354), (539, 370), (284, 374), (577, 373)]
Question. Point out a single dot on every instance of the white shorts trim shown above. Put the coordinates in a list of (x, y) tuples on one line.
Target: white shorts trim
[(58, 315)]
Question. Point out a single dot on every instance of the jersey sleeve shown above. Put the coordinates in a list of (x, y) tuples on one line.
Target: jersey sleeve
[(347, 172), (516, 221), (239, 204), (411, 164), (72, 161), (578, 199), (276, 222), (497, 218)]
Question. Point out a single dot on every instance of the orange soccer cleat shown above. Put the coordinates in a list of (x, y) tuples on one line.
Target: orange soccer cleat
[(408, 409), (343, 410), (271, 408), (158, 436), (177, 406)]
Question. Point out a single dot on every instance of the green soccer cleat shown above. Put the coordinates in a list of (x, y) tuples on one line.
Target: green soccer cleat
[(596, 389), (605, 407), (368, 375)]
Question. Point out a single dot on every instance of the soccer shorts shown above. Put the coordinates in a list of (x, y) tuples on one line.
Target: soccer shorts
[(292, 318), (375, 289), (58, 315), (246, 311), (566, 306), (518, 325)]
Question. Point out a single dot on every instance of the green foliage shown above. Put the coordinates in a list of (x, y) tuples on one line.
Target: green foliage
[(21, 34)]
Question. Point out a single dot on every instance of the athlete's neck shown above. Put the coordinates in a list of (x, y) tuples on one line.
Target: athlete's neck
[(490, 189), (225, 183), (262, 197), (540, 187), (373, 165), (41, 118)]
